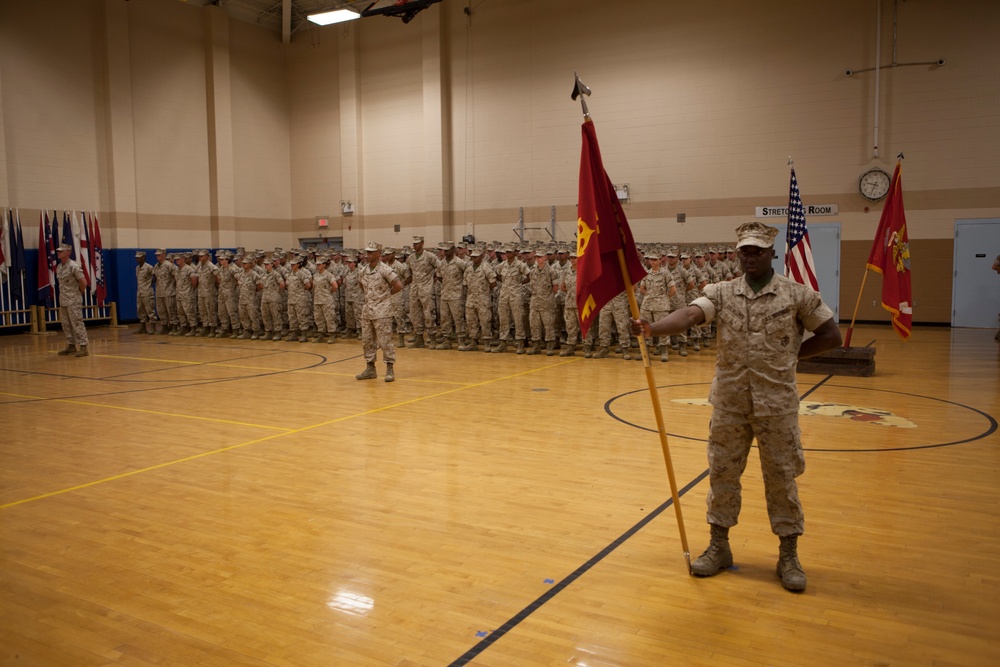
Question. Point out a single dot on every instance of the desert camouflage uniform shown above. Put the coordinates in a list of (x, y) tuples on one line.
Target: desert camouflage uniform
[(754, 394), (571, 316), (354, 299), (452, 317), (229, 314), (299, 300), (270, 301), (681, 278), (376, 314), (542, 305), (615, 312), (247, 282), (208, 294), (166, 291), (71, 302), (479, 282), (656, 301), (144, 294), (399, 316), (422, 268), (325, 302), (187, 300), (511, 307)]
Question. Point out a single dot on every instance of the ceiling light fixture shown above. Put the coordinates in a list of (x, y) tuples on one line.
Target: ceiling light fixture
[(337, 16)]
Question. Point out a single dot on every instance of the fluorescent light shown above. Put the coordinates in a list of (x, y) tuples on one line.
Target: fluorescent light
[(337, 16)]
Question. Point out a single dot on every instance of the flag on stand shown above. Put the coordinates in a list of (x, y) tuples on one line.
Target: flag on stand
[(5, 243), (799, 264), (97, 261), (890, 256), (601, 231), (83, 235), (46, 280), (16, 260), (67, 235)]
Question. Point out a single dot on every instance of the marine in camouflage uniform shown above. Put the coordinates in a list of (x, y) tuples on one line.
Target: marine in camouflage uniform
[(229, 314), (398, 306), (657, 288), (450, 272), (208, 293), (683, 280), (422, 266), (324, 294), (187, 301), (144, 277), (354, 298), (298, 282), (270, 301), (761, 318), (544, 282), (615, 312), (571, 316), (249, 283), (513, 273), (379, 283), (479, 280), (72, 285), (164, 273)]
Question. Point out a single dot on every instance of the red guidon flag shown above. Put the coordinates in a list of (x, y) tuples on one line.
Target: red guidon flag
[(601, 231), (890, 256)]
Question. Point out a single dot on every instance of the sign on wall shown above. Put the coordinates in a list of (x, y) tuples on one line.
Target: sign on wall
[(810, 210)]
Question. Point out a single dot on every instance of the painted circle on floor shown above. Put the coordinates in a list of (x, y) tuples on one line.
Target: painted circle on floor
[(891, 430)]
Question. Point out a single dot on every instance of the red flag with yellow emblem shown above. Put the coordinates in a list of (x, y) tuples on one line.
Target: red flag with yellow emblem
[(890, 256), (601, 231)]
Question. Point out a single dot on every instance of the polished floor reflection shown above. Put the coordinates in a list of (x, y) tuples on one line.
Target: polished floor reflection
[(218, 502)]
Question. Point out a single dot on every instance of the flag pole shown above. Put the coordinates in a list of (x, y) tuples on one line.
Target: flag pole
[(850, 329), (581, 90), (657, 411)]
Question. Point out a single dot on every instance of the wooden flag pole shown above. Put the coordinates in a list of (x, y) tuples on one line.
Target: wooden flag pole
[(581, 90), (654, 395), (850, 329)]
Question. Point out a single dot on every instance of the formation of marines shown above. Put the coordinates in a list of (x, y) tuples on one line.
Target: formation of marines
[(490, 296)]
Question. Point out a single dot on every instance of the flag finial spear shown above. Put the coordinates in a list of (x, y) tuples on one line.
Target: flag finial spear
[(579, 90), (899, 156), (791, 162)]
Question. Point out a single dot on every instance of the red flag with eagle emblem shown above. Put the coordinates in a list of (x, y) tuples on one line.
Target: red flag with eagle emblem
[(890, 256), (601, 231)]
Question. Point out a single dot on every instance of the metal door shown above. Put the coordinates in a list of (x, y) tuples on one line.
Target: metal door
[(975, 291), (824, 238)]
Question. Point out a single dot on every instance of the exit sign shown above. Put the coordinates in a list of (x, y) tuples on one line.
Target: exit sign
[(322, 221)]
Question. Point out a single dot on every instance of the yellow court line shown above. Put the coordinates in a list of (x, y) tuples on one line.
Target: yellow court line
[(279, 435), (150, 412), (165, 361)]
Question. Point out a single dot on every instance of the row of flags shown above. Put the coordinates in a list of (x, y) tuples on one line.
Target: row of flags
[(606, 250), (12, 264), (83, 234), (80, 231)]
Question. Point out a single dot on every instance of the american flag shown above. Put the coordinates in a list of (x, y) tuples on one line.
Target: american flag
[(799, 264)]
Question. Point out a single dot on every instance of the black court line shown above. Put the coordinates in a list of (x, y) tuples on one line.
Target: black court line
[(511, 623), (186, 385)]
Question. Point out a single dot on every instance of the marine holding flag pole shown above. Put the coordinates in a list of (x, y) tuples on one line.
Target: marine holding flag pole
[(607, 265)]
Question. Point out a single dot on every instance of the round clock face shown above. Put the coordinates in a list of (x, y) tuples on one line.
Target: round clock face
[(874, 184)]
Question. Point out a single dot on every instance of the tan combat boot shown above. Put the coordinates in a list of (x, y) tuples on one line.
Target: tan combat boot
[(550, 348), (789, 570), (717, 556), (568, 351), (390, 376), (501, 347), (601, 353), (70, 349), (367, 374), (82, 352), (520, 347)]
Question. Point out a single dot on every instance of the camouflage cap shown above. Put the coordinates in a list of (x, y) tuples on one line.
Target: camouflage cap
[(63, 246), (373, 247), (756, 234)]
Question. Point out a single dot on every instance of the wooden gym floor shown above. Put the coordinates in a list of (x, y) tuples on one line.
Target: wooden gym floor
[(187, 501)]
